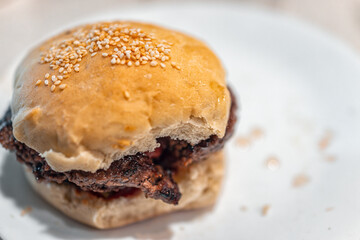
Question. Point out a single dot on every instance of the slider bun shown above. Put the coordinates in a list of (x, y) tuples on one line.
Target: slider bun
[(110, 110), (199, 184)]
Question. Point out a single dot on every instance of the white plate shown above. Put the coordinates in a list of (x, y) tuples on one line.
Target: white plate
[(295, 82)]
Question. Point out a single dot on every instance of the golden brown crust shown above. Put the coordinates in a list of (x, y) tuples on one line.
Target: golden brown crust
[(199, 184), (92, 122)]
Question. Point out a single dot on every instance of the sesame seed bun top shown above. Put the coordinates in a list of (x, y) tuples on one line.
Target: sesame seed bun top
[(102, 91)]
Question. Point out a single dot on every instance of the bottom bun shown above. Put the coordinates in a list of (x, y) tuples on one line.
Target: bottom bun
[(199, 184)]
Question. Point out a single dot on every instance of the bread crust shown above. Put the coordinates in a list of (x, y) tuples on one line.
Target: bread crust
[(200, 184), (109, 111)]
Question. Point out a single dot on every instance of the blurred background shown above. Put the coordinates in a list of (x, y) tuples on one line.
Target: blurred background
[(338, 16), (28, 19), (341, 17)]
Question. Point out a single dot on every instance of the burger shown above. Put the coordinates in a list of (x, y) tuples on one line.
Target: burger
[(117, 122)]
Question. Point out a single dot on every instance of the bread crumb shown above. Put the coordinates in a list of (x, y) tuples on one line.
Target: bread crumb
[(330, 158), (246, 140), (256, 133), (272, 163), (329, 209), (243, 142), (26, 211), (265, 209), (243, 208), (325, 140), (300, 180)]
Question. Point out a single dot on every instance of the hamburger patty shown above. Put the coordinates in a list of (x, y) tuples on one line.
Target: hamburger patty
[(151, 172)]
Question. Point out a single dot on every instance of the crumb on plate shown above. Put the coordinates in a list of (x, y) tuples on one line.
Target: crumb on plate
[(329, 209), (265, 210), (325, 140), (272, 163), (247, 139), (26, 211), (330, 158), (243, 208), (300, 180)]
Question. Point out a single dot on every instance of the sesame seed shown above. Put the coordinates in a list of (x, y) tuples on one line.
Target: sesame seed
[(125, 45), (62, 86), (153, 63), (126, 94), (52, 88), (38, 82), (46, 82)]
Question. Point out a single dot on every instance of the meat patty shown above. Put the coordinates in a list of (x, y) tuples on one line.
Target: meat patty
[(151, 172)]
